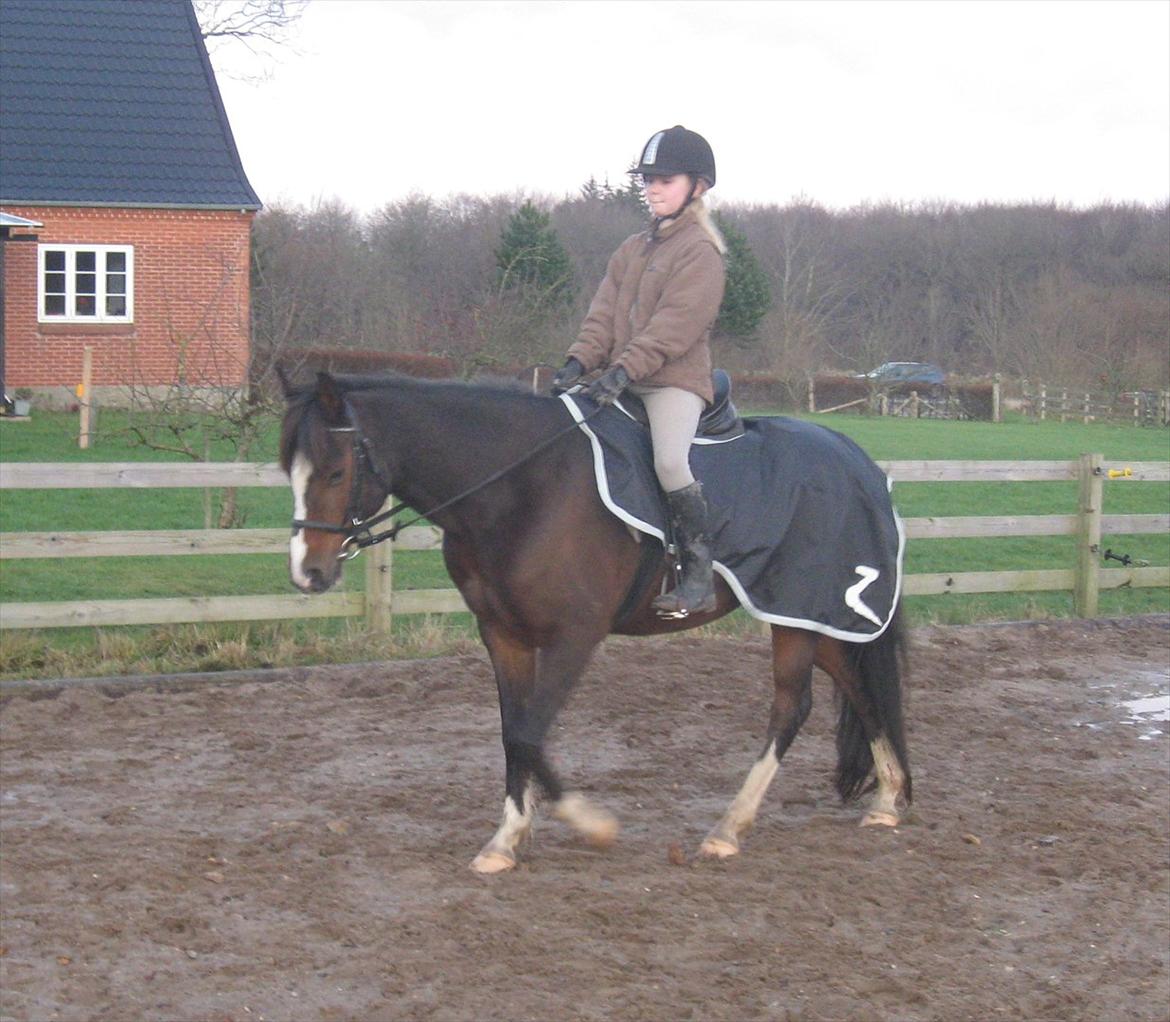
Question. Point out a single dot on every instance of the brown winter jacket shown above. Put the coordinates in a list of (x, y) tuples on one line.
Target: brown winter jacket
[(654, 311)]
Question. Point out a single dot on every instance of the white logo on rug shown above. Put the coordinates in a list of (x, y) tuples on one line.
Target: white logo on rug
[(853, 593)]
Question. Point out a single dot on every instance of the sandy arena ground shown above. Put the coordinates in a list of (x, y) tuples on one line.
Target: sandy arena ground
[(297, 847)]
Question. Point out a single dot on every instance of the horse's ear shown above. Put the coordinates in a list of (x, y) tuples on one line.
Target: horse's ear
[(330, 399)]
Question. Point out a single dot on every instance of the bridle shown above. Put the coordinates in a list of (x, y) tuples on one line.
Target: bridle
[(354, 527), (358, 531)]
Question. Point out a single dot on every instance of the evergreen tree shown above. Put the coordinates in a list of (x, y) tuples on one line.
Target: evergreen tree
[(747, 296), (630, 194), (532, 260), (592, 190)]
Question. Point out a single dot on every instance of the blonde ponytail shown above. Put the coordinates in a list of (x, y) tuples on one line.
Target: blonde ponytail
[(703, 216)]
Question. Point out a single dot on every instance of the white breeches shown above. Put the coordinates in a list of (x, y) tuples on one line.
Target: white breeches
[(674, 417)]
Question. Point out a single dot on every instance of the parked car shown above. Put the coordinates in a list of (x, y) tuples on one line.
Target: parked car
[(906, 373)]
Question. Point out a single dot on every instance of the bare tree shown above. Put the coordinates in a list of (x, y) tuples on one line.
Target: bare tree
[(809, 296), (988, 288), (991, 306), (264, 27)]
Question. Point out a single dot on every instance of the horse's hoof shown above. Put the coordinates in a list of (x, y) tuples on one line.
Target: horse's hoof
[(488, 863), (879, 818), (604, 831), (597, 826), (718, 848)]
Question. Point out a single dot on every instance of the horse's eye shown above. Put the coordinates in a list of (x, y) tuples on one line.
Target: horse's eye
[(336, 477)]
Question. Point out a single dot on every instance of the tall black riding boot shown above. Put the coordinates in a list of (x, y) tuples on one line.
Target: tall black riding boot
[(695, 592)]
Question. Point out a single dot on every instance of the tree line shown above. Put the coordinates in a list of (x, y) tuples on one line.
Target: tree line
[(1073, 297)]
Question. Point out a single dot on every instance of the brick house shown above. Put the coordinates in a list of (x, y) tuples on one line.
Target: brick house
[(127, 211)]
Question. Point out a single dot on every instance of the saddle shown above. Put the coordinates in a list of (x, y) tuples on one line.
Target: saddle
[(720, 420)]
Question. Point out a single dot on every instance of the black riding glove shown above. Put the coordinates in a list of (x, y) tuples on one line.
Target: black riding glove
[(568, 374), (606, 388)]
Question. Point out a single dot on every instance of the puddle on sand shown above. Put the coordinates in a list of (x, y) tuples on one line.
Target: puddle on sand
[(1147, 709), (1152, 708)]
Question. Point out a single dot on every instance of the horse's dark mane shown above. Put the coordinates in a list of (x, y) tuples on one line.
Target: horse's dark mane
[(298, 433), (482, 386)]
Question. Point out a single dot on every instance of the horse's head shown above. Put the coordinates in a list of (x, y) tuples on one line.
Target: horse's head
[(334, 481)]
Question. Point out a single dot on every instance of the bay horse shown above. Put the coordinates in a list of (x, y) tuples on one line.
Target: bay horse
[(548, 572)]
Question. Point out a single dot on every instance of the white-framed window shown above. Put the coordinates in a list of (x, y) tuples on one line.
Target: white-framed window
[(85, 283)]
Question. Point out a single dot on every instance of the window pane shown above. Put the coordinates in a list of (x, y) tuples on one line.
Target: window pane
[(116, 305), (86, 283), (115, 283), (55, 283), (86, 261), (116, 262), (55, 261), (86, 305), (54, 305)]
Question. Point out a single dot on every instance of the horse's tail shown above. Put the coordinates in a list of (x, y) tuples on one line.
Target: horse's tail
[(879, 666)]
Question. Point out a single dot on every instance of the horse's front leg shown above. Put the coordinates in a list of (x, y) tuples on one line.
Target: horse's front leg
[(534, 685), (515, 669), (792, 662)]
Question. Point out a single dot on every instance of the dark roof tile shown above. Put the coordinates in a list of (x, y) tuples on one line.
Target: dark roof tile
[(109, 102)]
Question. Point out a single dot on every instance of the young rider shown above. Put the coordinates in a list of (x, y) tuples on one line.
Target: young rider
[(649, 329)]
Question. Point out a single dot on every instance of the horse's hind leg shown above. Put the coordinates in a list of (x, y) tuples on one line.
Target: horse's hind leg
[(792, 663), (870, 733), (884, 811)]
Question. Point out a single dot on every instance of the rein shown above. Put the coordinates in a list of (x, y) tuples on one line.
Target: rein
[(358, 532)]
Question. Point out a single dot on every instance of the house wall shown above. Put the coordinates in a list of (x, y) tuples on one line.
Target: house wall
[(191, 293)]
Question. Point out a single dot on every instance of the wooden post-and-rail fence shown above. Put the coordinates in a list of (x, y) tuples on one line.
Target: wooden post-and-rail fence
[(381, 601), (1139, 408)]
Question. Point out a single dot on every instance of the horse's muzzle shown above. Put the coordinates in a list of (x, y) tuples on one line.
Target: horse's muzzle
[(316, 580)]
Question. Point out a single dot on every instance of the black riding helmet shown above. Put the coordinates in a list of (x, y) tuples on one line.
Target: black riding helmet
[(678, 150)]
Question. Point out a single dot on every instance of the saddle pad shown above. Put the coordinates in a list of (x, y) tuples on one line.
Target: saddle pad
[(802, 526)]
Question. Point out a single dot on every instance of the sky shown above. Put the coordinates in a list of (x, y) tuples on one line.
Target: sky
[(838, 103)]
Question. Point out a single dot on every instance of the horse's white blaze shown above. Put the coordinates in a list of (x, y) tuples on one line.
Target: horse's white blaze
[(299, 475)]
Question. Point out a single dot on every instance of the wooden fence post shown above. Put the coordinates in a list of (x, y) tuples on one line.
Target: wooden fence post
[(380, 584), (1090, 492), (996, 410), (812, 395), (207, 499), (1043, 402), (85, 398), (1087, 411)]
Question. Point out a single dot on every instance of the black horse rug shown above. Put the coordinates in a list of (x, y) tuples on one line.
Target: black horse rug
[(802, 526)]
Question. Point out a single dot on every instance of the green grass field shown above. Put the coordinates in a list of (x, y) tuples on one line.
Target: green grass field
[(52, 437)]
